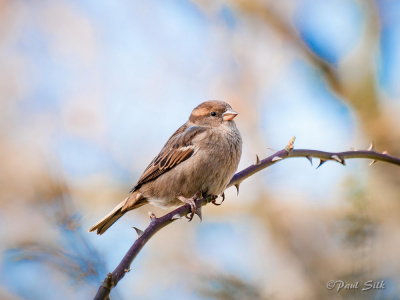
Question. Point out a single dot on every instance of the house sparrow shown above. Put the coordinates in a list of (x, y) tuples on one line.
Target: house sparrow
[(200, 158)]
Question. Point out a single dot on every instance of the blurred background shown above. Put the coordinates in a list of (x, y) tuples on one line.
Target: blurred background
[(91, 90)]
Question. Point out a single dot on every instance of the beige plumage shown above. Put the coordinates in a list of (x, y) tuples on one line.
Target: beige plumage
[(200, 157)]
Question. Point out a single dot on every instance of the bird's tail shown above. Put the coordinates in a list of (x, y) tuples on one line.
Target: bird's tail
[(133, 201)]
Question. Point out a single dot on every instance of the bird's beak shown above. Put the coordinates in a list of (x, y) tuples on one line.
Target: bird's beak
[(230, 114)]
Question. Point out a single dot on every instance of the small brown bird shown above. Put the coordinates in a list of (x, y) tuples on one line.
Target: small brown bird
[(200, 158)]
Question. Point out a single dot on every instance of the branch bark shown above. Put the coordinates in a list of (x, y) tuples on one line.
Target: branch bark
[(157, 224)]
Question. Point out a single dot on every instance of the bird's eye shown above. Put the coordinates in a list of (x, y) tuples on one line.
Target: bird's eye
[(213, 114)]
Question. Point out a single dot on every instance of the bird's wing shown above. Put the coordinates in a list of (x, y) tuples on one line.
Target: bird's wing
[(178, 148)]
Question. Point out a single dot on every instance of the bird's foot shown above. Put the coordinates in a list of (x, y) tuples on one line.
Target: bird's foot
[(214, 201), (193, 209)]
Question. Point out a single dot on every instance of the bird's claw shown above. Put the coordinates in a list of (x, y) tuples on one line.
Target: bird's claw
[(193, 209), (198, 213), (214, 201)]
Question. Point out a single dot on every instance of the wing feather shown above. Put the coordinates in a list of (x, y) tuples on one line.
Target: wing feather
[(177, 149)]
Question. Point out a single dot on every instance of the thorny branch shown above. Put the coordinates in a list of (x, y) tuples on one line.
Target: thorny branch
[(158, 223)]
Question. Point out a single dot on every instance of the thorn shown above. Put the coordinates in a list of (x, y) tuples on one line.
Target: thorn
[(176, 216), (371, 147), (237, 188), (138, 231), (372, 162), (309, 159), (321, 162), (152, 216), (338, 159), (127, 270), (385, 152), (276, 158), (257, 160), (198, 213), (271, 149), (289, 147)]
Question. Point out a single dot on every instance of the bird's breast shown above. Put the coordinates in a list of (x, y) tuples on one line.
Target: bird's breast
[(218, 159), (208, 170)]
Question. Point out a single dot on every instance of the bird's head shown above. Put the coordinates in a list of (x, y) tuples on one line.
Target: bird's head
[(212, 113)]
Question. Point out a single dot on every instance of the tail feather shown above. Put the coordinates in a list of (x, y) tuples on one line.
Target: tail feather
[(124, 206)]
